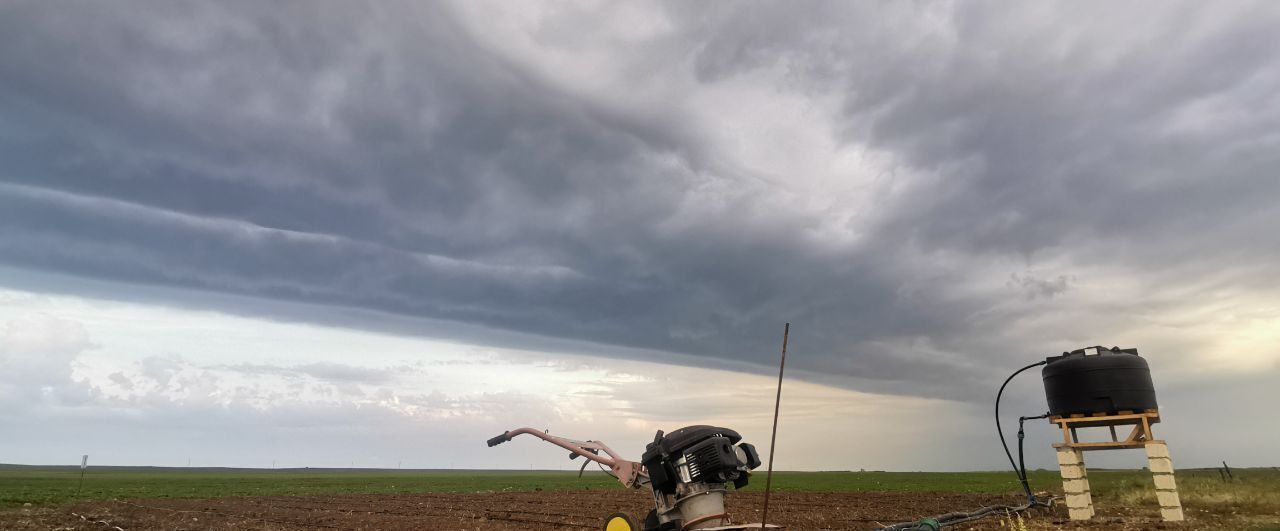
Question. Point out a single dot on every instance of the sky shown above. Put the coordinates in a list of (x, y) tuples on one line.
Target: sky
[(377, 234)]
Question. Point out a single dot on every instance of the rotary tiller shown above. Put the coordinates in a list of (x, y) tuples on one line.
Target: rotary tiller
[(687, 471)]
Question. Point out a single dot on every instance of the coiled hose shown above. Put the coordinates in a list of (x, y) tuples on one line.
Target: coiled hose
[(938, 522)]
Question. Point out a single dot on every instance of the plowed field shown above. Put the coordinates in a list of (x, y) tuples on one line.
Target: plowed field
[(580, 510)]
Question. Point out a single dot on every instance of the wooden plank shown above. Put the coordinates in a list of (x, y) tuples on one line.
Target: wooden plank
[(1096, 423), (1106, 445), (1081, 418), (1122, 445), (1109, 420)]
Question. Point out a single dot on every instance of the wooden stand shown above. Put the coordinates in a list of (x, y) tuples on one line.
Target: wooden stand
[(1075, 478)]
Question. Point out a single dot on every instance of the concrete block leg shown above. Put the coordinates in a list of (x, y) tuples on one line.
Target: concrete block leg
[(1075, 483), (1166, 487), (1088, 492)]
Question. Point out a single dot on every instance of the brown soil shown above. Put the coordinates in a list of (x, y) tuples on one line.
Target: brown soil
[(555, 511)]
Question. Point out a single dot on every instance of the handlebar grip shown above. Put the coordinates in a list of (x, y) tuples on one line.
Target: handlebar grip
[(499, 440)]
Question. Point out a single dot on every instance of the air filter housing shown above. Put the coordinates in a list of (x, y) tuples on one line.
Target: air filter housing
[(1110, 381)]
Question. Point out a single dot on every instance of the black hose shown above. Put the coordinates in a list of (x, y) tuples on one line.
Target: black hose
[(1022, 463), (1022, 478)]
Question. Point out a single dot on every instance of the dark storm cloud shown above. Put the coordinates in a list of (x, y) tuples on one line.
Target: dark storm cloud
[(1072, 124), (388, 158), (1040, 287)]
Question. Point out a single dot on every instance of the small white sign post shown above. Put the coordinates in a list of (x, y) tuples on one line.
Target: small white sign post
[(84, 463)]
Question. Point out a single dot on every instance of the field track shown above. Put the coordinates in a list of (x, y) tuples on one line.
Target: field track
[(534, 511)]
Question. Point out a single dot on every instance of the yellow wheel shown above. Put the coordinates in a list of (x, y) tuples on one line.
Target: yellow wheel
[(620, 522)]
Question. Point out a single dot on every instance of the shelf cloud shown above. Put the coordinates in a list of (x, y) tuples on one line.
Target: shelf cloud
[(931, 194)]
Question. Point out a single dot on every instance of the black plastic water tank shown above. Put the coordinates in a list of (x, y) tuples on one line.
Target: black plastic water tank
[(1110, 381)]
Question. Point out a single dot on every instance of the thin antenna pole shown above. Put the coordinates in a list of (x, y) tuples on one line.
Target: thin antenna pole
[(773, 440)]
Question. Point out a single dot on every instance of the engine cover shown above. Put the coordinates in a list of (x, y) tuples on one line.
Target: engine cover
[(698, 454)]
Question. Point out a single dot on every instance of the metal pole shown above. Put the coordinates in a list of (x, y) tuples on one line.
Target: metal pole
[(773, 440)]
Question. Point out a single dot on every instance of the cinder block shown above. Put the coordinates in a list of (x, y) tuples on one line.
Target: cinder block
[(1075, 486), (1079, 501), (1067, 456), (1165, 482), (1168, 498), (1082, 514), (1160, 465), (1072, 471), (1157, 450), (1171, 514)]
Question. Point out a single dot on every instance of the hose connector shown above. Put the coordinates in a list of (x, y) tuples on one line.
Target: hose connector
[(929, 524)]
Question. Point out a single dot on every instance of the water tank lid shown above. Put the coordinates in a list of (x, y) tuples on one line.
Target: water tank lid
[(1100, 350)]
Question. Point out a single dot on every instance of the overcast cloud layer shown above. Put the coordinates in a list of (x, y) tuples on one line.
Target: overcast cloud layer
[(934, 194)]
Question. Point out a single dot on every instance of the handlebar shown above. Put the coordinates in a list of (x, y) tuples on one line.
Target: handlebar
[(499, 439), (630, 473)]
